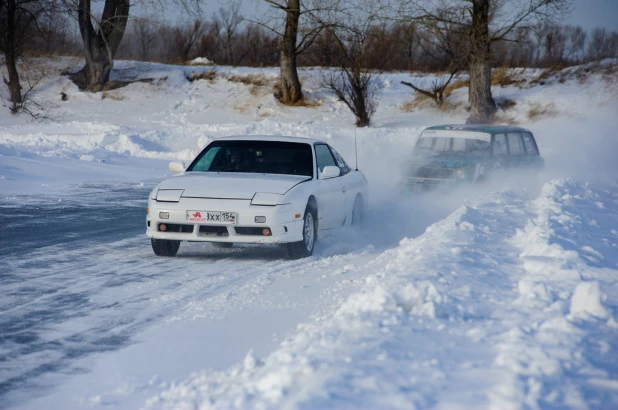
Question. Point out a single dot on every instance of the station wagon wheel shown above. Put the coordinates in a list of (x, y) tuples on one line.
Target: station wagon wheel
[(304, 248), (165, 247)]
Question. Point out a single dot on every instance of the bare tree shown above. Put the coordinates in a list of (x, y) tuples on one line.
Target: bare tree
[(296, 30), (354, 82), (101, 38), (485, 22), (185, 39), (19, 19), (438, 86), (603, 44), (443, 43), (145, 32), (226, 27)]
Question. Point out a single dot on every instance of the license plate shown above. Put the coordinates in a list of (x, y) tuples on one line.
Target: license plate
[(208, 217)]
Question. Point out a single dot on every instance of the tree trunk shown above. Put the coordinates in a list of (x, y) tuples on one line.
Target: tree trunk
[(290, 84), (482, 104), (10, 54), (100, 46)]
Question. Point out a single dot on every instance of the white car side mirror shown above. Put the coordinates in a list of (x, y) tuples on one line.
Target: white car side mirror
[(177, 167), (330, 172)]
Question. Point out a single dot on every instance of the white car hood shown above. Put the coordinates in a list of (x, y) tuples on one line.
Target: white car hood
[(230, 185)]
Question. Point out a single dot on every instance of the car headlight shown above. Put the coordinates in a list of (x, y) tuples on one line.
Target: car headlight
[(265, 199), (459, 173)]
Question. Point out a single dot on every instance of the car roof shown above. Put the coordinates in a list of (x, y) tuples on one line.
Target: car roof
[(280, 138), (489, 128)]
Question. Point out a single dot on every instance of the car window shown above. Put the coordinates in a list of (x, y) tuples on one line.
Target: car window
[(340, 162), (459, 144), (515, 146), (500, 144), (530, 144), (253, 156), (206, 160), (426, 142), (324, 157), (442, 144)]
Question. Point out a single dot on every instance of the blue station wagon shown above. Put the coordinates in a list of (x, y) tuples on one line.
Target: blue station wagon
[(448, 155)]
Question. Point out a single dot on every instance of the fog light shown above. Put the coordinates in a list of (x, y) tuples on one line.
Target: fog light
[(260, 219), (162, 227), (164, 215), (266, 231)]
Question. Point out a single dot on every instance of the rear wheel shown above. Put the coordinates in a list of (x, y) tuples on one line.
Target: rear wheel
[(304, 248), (165, 247), (222, 245)]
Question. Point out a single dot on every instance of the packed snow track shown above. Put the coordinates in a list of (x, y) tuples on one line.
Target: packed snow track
[(79, 279)]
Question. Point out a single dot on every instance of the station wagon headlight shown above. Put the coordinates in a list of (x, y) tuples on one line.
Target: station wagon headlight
[(459, 173)]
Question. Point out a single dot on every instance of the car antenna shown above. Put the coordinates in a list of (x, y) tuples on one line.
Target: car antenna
[(355, 149)]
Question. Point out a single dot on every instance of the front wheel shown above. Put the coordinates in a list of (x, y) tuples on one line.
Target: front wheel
[(165, 247), (304, 248)]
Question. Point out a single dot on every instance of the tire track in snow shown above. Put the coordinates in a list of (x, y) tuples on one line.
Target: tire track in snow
[(70, 303)]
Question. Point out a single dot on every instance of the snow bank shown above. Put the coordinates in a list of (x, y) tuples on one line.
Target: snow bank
[(439, 325)]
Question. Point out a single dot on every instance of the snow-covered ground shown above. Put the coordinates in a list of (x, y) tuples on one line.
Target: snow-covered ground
[(505, 297)]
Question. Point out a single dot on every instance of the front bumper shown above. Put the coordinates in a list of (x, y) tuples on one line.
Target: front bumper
[(280, 220)]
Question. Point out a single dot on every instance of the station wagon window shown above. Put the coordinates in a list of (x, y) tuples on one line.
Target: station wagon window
[(442, 144), (340, 162), (324, 157), (515, 147), (531, 148), (500, 144)]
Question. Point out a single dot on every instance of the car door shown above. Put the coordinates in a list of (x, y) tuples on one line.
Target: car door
[(349, 184), (331, 192), (500, 152), (532, 150), (517, 152)]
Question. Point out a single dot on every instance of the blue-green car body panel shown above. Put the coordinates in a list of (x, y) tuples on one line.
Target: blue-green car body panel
[(446, 156)]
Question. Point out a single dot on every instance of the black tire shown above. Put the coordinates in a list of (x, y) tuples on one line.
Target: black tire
[(222, 245), (358, 213), (165, 247), (304, 248)]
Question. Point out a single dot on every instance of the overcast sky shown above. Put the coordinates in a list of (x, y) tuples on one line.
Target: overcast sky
[(595, 13), (586, 13)]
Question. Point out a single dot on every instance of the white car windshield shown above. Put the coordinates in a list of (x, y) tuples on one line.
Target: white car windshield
[(259, 157)]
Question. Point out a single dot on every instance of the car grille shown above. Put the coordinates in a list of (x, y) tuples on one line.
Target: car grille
[(207, 230), (432, 172)]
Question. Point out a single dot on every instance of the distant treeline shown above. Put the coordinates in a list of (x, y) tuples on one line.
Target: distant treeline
[(235, 42)]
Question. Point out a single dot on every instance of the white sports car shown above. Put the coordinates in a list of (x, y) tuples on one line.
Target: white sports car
[(256, 189)]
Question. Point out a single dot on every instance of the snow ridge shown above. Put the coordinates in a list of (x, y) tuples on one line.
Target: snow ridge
[(417, 334)]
